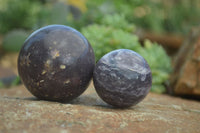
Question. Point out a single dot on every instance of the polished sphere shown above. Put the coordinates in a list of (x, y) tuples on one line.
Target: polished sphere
[(122, 78), (56, 63)]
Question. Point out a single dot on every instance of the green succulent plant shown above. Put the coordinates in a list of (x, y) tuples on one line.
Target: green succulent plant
[(106, 37), (159, 62)]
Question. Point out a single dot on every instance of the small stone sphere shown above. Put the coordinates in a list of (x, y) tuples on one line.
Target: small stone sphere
[(56, 63), (122, 78)]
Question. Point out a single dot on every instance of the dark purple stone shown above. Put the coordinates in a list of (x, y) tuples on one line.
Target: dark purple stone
[(122, 78), (56, 63)]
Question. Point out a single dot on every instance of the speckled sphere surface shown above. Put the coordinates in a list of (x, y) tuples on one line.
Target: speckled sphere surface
[(122, 78), (56, 63)]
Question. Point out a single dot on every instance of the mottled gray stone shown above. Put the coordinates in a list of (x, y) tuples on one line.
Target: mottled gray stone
[(56, 63), (122, 78)]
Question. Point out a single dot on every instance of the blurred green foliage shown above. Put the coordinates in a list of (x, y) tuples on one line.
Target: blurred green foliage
[(31, 14), (176, 16), (18, 14), (156, 15), (106, 36)]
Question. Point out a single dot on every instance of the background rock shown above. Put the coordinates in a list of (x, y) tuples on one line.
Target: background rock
[(186, 77), (21, 112)]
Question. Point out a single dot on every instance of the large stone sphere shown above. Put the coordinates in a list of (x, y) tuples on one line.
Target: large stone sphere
[(56, 63)]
